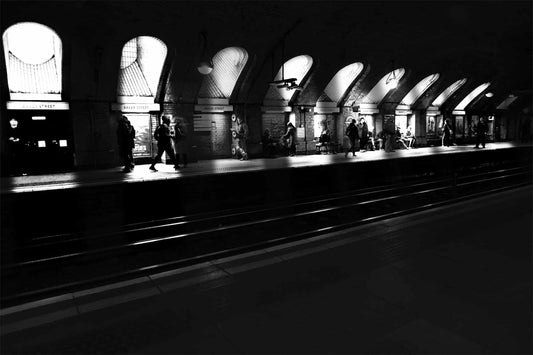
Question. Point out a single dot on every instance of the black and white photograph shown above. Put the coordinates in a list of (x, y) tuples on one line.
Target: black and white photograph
[(266, 177)]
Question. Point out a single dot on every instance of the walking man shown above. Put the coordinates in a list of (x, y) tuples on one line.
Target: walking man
[(481, 131), (162, 135)]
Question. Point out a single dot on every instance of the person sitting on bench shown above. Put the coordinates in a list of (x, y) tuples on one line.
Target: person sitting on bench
[(324, 139)]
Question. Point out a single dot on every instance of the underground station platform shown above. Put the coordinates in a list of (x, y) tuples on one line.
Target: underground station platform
[(416, 251)]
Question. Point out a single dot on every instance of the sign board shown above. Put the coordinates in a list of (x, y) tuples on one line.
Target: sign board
[(368, 111), (135, 107), (320, 110), (213, 108), (277, 109), (213, 101), (37, 105), (300, 132), (458, 112), (432, 112), (202, 123), (403, 112)]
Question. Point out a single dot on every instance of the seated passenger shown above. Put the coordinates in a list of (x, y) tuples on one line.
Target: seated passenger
[(410, 138), (325, 137), (399, 139)]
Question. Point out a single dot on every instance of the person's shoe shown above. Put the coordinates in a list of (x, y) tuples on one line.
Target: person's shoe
[(177, 167), (346, 154), (126, 169), (152, 168), (476, 147)]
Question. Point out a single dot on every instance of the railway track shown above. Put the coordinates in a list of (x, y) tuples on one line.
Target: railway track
[(51, 264)]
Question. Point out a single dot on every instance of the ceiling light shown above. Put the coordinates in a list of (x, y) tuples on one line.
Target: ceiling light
[(489, 94), (205, 67), (206, 64)]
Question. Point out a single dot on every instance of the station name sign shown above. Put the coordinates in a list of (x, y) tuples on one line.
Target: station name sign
[(37, 105), (135, 107), (276, 109), (403, 112), (327, 109), (213, 108)]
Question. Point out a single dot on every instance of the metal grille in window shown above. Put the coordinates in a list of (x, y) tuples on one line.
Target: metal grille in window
[(129, 53)]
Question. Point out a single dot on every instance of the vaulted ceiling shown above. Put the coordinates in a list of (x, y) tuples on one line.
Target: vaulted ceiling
[(483, 41)]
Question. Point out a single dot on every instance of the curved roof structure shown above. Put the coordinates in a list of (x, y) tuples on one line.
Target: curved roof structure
[(471, 96), (419, 89), (383, 86), (336, 88), (228, 65)]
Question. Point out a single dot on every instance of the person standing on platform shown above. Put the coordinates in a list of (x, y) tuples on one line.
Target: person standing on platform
[(242, 136), (15, 149), (162, 135), (180, 139), (481, 130), (126, 142), (290, 138), (353, 133), (364, 135), (447, 133)]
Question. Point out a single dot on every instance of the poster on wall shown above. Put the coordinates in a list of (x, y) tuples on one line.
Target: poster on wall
[(388, 123), (459, 126), (143, 146), (430, 125)]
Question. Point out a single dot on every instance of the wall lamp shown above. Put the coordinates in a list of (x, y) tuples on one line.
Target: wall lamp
[(206, 64)]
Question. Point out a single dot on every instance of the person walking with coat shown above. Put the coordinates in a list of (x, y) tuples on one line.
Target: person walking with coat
[(447, 133), (180, 139), (353, 133), (290, 137), (162, 135), (481, 131), (126, 142), (364, 135)]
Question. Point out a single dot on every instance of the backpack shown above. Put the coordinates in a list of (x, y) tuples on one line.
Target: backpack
[(157, 133)]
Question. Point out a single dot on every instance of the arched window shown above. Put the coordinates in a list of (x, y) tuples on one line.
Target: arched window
[(297, 68), (448, 92), (227, 66), (140, 69), (381, 89), (33, 54), (338, 85), (419, 89), (473, 94)]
